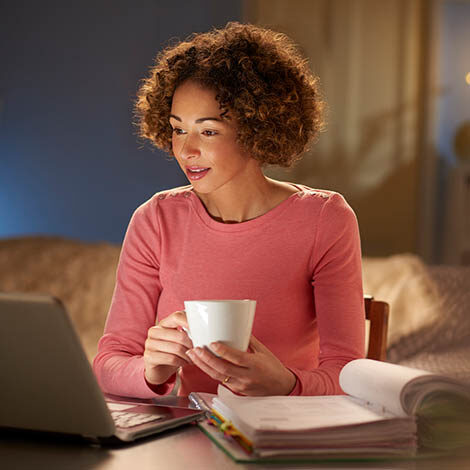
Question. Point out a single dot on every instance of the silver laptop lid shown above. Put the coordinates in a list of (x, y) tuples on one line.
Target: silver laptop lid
[(47, 383)]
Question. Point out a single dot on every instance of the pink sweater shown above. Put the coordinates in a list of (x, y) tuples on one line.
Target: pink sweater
[(301, 262)]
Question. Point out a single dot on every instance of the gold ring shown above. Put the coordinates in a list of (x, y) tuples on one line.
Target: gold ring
[(226, 379)]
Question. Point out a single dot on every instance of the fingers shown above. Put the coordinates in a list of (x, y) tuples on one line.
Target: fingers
[(158, 358), (175, 320), (254, 373), (232, 355), (163, 358), (200, 362), (215, 367), (167, 347), (256, 345), (169, 334)]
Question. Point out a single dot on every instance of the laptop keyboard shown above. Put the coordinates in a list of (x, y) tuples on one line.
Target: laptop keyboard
[(128, 419)]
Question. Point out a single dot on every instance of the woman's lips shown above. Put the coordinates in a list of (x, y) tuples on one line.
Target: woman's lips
[(196, 172)]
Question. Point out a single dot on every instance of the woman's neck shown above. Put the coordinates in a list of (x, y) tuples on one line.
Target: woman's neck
[(247, 200)]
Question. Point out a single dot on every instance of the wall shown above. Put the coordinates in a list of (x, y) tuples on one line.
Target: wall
[(368, 57), (452, 225), (454, 66), (70, 162)]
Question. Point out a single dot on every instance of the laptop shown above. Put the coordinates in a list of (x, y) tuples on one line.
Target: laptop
[(47, 383)]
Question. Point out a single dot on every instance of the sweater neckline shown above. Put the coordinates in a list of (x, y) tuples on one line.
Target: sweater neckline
[(248, 224)]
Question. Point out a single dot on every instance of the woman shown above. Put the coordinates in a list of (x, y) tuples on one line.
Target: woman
[(225, 104)]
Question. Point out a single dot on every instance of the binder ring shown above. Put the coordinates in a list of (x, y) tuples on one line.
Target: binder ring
[(226, 379)]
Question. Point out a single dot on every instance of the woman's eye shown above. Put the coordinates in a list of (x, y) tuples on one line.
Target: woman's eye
[(209, 133), (178, 131)]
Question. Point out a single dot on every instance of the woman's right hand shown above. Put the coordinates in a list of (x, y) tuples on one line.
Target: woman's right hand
[(165, 348)]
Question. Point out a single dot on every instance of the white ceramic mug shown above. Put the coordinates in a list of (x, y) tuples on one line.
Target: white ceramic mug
[(227, 321)]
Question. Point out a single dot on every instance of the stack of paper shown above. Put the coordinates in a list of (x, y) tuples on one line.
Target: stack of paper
[(316, 425), (389, 410)]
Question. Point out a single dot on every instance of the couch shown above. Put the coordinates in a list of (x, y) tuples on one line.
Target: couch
[(430, 305)]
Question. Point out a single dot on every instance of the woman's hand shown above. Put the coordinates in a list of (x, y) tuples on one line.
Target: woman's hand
[(258, 372), (165, 348)]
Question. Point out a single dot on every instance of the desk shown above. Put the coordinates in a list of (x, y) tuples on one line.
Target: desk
[(185, 448)]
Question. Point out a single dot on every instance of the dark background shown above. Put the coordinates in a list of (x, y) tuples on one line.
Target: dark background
[(70, 160)]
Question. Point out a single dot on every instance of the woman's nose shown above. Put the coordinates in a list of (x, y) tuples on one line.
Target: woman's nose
[(190, 147)]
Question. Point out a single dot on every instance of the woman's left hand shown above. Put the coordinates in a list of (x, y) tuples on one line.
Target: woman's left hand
[(258, 372)]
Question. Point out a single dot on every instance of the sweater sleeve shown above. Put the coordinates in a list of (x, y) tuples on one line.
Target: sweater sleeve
[(119, 364), (338, 298)]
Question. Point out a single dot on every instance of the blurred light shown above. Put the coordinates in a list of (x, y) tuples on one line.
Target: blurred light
[(467, 78)]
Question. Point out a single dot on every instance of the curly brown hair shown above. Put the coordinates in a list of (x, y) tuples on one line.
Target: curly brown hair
[(258, 74)]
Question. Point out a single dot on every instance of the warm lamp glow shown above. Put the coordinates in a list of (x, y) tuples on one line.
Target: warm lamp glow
[(467, 78)]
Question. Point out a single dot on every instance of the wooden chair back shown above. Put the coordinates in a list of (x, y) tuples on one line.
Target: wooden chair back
[(377, 312)]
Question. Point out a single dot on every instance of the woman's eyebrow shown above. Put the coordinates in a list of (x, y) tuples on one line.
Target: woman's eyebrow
[(199, 120), (208, 119)]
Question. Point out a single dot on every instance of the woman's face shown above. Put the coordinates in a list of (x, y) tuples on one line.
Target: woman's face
[(204, 143)]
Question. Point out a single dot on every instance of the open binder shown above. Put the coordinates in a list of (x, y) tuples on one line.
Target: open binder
[(388, 411)]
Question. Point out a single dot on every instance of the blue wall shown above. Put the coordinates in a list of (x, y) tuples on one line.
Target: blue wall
[(70, 161)]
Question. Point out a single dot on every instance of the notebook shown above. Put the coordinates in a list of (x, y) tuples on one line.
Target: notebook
[(47, 383)]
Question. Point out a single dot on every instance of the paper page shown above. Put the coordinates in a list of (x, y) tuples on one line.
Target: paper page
[(118, 406), (379, 382), (436, 385), (286, 413)]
